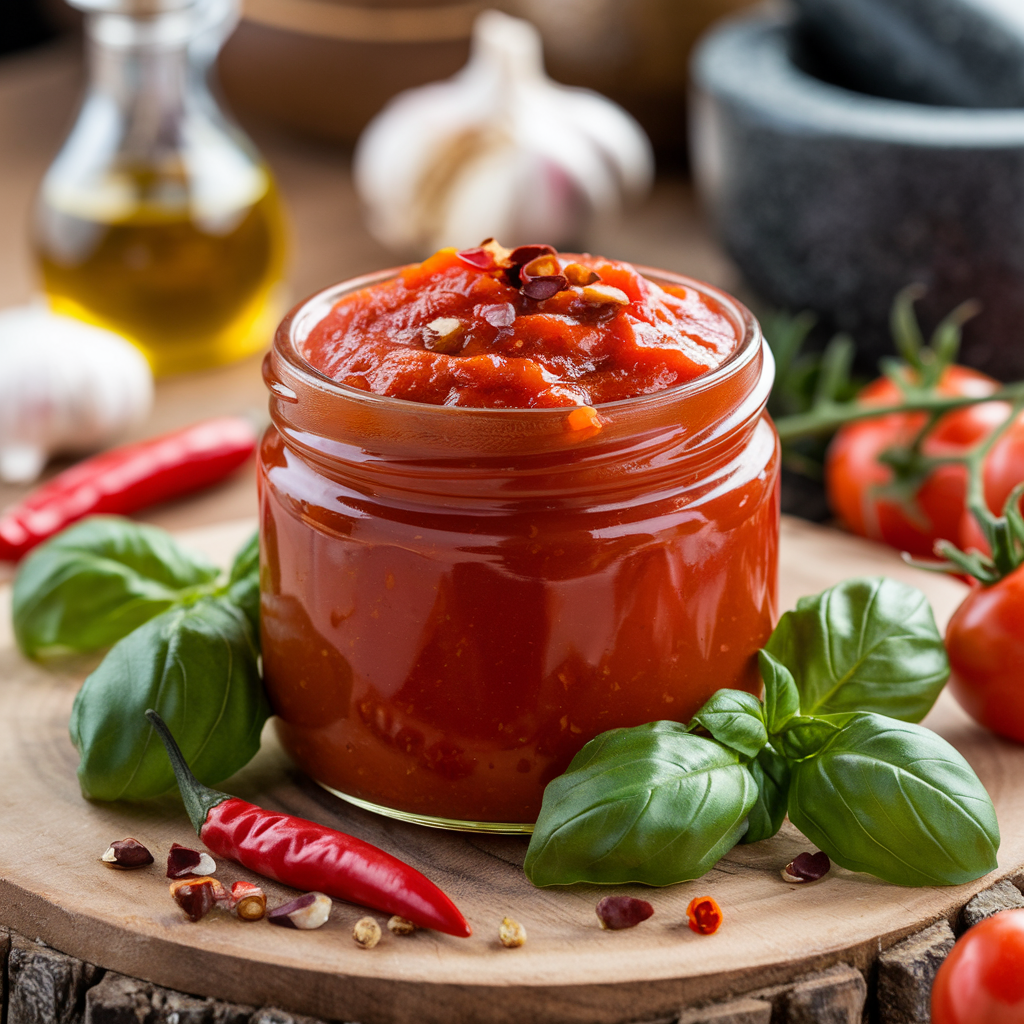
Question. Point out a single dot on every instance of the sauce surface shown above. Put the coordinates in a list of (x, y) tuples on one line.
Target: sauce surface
[(524, 328)]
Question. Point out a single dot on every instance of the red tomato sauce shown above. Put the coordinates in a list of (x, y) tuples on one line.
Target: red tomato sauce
[(496, 347)]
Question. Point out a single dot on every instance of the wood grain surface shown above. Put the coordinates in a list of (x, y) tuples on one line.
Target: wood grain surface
[(53, 886)]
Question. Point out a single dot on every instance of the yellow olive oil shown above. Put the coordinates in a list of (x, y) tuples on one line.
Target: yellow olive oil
[(193, 285)]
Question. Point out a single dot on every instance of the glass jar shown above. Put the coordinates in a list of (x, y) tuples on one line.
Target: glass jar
[(455, 600), (158, 219)]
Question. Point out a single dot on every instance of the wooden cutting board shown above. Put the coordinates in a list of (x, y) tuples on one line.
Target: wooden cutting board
[(53, 886)]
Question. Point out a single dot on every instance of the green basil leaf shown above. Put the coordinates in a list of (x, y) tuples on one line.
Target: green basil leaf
[(196, 665), (781, 699), (771, 774), (653, 804), (95, 582), (897, 801), (244, 581), (804, 736), (867, 644), (734, 718)]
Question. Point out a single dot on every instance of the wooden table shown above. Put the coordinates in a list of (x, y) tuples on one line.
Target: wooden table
[(53, 886), (39, 93)]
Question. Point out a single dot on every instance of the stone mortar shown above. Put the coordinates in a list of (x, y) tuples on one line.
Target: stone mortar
[(833, 200)]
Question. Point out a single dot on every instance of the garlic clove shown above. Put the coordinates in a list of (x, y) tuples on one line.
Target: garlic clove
[(21, 463), (66, 387), (499, 149)]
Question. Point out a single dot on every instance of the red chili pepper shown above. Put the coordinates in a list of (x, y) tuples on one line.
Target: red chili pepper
[(705, 915), (309, 856), (128, 478)]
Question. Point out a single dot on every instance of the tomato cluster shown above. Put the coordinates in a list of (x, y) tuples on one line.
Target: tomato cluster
[(855, 476), (985, 637)]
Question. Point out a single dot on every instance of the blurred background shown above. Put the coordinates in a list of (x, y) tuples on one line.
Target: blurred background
[(179, 172)]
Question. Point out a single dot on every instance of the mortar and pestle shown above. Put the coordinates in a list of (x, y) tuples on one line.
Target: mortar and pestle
[(856, 146)]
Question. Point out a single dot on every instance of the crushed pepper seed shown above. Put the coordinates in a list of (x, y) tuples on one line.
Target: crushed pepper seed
[(366, 932), (511, 933)]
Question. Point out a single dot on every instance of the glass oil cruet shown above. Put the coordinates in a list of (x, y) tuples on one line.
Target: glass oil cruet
[(158, 219)]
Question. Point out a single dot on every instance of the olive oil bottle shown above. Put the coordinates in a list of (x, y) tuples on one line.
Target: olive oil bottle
[(158, 219)]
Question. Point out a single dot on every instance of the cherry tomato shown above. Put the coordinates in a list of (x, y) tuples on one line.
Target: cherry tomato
[(982, 979), (853, 472), (985, 641)]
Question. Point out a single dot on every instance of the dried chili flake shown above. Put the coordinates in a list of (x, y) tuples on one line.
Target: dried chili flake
[(443, 334), (250, 901), (127, 853), (196, 896), (578, 274), (305, 913), (807, 867), (605, 294), (705, 915), (479, 259), (182, 862), (488, 255), (542, 278), (617, 912), (524, 254)]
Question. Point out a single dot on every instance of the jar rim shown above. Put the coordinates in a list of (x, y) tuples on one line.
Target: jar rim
[(300, 320)]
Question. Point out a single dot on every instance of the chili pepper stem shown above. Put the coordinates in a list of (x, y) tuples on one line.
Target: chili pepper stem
[(199, 800)]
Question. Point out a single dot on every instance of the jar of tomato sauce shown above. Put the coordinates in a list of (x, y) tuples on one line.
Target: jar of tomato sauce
[(456, 598)]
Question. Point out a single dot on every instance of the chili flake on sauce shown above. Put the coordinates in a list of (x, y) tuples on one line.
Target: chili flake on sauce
[(524, 328)]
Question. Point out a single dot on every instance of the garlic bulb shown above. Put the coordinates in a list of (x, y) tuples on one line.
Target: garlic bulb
[(499, 150), (65, 386)]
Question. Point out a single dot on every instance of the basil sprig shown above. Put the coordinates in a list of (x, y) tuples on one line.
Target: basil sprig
[(185, 641), (660, 803)]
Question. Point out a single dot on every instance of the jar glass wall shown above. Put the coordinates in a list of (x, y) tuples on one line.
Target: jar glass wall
[(455, 600)]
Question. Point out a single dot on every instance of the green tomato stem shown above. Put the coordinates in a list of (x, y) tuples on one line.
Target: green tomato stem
[(830, 416)]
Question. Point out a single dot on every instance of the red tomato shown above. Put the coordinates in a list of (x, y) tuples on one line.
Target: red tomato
[(985, 641), (853, 472), (982, 980)]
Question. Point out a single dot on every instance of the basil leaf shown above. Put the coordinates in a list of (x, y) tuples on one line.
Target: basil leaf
[(244, 582), (867, 644), (734, 718), (805, 736), (895, 800), (652, 804), (196, 665), (97, 581), (771, 774), (781, 699)]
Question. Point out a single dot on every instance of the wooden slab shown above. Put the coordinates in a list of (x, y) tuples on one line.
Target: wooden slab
[(53, 886)]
